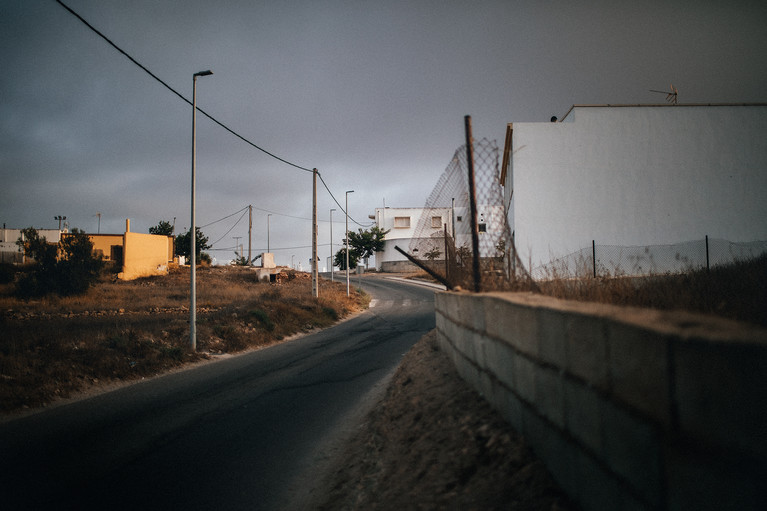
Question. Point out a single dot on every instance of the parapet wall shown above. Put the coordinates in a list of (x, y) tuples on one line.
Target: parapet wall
[(628, 408)]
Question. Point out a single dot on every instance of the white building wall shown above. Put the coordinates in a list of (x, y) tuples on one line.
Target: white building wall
[(402, 236), (639, 176)]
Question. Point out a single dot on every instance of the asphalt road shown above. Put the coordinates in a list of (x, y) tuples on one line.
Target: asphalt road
[(240, 433)]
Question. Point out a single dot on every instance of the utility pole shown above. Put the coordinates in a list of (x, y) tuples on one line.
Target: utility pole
[(315, 275), (473, 206), (347, 241), (250, 229)]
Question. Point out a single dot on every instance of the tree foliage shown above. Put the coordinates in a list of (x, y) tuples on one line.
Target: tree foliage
[(67, 268), (366, 243), (183, 245), (163, 228), (339, 259)]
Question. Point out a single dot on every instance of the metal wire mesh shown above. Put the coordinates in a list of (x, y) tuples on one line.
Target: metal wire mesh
[(443, 240), (446, 246)]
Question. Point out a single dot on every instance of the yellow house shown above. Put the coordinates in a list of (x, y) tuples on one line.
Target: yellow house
[(138, 254)]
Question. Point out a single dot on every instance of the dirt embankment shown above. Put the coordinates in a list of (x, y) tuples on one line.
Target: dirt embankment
[(433, 443)]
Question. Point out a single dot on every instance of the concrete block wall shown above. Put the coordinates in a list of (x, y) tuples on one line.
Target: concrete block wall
[(629, 408)]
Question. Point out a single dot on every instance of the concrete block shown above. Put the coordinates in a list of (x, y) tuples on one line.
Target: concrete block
[(721, 391), (632, 450), (551, 447), (551, 337), (695, 481), (513, 323), (524, 378), (638, 365), (583, 417), (511, 409), (501, 361), (586, 349), (267, 260), (596, 489), (549, 395)]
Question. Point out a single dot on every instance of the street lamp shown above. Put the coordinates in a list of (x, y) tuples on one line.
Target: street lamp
[(192, 229), (267, 233), (59, 218), (347, 241)]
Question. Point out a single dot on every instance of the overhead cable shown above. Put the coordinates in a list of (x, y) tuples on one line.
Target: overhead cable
[(174, 91)]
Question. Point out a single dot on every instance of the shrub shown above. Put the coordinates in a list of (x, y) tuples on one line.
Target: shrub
[(67, 268)]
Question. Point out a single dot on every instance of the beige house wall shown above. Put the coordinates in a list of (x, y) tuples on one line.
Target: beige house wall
[(104, 244), (145, 255)]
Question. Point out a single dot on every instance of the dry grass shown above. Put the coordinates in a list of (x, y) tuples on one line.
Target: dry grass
[(736, 291), (53, 347)]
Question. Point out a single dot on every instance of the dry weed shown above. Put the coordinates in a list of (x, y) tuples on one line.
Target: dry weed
[(54, 346)]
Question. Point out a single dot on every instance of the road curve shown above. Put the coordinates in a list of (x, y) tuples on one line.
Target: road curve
[(233, 434)]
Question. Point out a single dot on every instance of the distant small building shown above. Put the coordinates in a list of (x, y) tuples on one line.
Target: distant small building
[(134, 254), (10, 252)]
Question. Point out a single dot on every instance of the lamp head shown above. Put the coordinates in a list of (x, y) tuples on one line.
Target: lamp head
[(203, 73)]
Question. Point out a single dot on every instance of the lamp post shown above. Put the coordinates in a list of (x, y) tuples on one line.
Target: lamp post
[(59, 218), (267, 233), (331, 244), (347, 240), (192, 229)]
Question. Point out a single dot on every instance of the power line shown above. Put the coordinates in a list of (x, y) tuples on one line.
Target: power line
[(174, 91), (230, 229), (221, 219)]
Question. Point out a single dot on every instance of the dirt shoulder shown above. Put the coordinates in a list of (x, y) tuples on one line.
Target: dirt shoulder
[(434, 443)]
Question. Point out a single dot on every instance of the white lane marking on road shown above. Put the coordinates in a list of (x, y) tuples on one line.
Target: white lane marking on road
[(373, 303)]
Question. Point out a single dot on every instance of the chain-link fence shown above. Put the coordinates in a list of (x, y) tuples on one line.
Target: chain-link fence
[(443, 241), (484, 258), (614, 260)]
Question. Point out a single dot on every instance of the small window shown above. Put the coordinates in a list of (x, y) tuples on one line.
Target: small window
[(459, 218), (482, 227), (401, 222), (436, 222)]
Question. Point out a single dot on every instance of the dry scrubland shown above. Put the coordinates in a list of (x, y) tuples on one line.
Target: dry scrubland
[(54, 347)]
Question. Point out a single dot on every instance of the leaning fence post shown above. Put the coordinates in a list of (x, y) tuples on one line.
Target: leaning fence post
[(594, 256)]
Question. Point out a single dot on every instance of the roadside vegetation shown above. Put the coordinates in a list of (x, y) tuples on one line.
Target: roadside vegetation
[(53, 346), (735, 291)]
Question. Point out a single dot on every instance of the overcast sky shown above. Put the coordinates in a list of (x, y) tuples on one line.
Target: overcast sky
[(372, 93)]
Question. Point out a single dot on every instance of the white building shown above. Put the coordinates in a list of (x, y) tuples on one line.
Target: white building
[(406, 225), (636, 175), (12, 253)]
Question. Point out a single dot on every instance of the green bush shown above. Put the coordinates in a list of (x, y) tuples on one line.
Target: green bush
[(67, 268)]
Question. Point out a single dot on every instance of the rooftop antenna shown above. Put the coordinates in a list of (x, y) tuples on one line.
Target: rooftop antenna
[(671, 97)]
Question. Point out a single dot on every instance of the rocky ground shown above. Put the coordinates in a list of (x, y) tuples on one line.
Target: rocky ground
[(434, 443)]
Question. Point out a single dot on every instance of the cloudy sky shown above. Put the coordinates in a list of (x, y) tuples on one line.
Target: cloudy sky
[(371, 93)]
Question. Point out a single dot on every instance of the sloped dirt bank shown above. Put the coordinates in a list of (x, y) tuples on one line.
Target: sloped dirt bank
[(434, 443)]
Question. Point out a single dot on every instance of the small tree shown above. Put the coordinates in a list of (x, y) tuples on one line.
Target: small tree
[(68, 268), (366, 243), (340, 259), (183, 244), (164, 228), (432, 254)]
